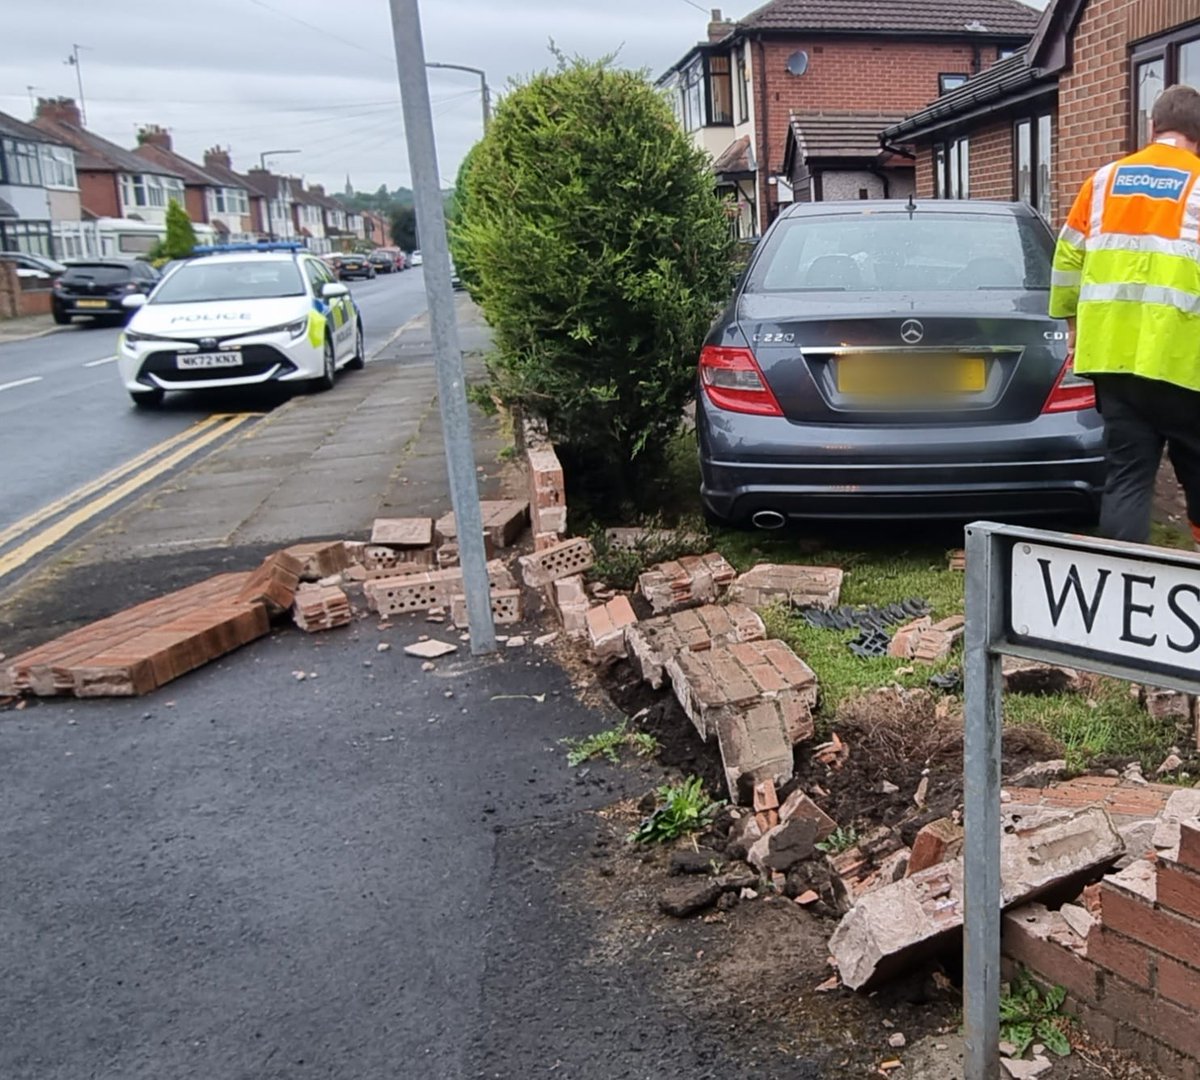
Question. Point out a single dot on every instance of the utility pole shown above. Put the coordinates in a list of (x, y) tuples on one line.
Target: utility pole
[(73, 60), (262, 164), (452, 391), (484, 89)]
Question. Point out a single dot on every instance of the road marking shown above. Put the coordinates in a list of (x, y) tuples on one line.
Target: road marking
[(207, 431), (100, 483), (102, 360), (20, 382)]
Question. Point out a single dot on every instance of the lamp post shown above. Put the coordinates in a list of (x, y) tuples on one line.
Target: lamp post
[(483, 86), (262, 164)]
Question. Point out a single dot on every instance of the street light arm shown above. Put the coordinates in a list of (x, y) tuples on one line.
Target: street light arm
[(483, 86)]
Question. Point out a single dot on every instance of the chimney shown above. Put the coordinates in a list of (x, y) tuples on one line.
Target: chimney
[(317, 189), (218, 157), (153, 135), (61, 110), (718, 27)]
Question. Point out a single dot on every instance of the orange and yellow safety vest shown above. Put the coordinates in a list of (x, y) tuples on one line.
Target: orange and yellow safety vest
[(1127, 267)]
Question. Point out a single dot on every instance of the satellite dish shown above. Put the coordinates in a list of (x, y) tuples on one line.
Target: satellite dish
[(797, 63)]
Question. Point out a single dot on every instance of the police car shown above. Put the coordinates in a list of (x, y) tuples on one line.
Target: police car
[(240, 315)]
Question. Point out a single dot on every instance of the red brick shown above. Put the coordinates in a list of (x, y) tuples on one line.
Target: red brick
[(935, 843), (1178, 890), (1189, 845), (1055, 962), (562, 560), (1120, 955), (1162, 931), (1177, 981), (1163, 1020)]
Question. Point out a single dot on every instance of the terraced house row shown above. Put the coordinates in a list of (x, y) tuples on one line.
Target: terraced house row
[(66, 192)]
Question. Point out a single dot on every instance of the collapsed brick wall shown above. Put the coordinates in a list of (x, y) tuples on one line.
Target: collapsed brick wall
[(1134, 978)]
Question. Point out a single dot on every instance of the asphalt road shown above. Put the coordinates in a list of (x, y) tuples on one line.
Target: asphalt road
[(360, 875), (65, 419)]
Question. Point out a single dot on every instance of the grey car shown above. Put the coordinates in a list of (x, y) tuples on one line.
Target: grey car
[(882, 359)]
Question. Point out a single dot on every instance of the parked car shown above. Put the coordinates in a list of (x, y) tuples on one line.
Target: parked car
[(97, 287), (36, 267), (884, 360), (415, 259), (384, 262), (240, 319), (349, 265)]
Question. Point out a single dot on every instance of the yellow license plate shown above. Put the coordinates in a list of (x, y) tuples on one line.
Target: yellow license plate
[(91, 303), (894, 376)]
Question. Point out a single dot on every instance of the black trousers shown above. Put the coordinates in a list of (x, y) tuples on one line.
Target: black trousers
[(1141, 416)]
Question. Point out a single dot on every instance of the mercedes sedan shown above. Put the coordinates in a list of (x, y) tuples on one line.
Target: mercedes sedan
[(893, 360)]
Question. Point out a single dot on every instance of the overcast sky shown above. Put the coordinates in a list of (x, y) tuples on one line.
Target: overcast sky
[(314, 75)]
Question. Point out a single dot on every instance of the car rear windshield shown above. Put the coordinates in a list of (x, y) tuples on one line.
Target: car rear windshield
[(902, 252), (198, 282), (99, 273)]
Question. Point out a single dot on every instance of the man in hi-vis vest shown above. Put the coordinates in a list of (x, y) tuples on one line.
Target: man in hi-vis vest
[(1127, 280)]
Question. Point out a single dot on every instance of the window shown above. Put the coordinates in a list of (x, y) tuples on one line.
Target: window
[(202, 280), (693, 96), (28, 236), (720, 91), (58, 167), (1032, 162), (741, 87), (21, 164), (1165, 61), (948, 82), (895, 253), (952, 170), (133, 190)]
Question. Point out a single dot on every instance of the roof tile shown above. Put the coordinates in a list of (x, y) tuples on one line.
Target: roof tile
[(984, 17)]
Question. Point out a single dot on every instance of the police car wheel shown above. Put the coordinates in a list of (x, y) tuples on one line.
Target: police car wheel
[(329, 375), (359, 360)]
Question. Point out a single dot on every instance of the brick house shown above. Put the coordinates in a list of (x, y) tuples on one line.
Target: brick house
[(1038, 124), (222, 203), (251, 215), (781, 100), (40, 211), (113, 182), (278, 195)]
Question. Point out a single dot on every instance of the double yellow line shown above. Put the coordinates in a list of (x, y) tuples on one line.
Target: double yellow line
[(93, 498)]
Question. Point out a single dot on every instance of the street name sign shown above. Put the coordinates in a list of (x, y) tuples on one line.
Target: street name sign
[(1127, 610)]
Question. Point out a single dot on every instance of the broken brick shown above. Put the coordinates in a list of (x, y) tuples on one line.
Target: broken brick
[(654, 641), (568, 597), (422, 591), (377, 557), (606, 626), (688, 579), (547, 492), (506, 607), (321, 608), (799, 807), (904, 641), (782, 847), (403, 532), (891, 927), (935, 843), (797, 586), (274, 583), (503, 521), (320, 559), (562, 560)]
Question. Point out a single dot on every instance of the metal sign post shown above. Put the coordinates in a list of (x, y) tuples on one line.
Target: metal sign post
[(1126, 610), (452, 391)]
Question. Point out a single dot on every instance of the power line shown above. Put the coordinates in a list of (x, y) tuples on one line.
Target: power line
[(692, 3), (322, 30)]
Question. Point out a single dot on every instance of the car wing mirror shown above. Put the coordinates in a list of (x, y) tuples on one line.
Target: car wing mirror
[(333, 289), (134, 301)]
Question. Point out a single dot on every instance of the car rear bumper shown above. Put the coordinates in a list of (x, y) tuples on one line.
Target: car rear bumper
[(1052, 467), (69, 305)]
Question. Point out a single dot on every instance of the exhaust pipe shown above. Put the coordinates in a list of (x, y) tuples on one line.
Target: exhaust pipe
[(768, 519)]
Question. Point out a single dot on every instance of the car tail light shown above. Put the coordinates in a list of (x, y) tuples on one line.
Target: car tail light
[(1071, 392), (734, 382)]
